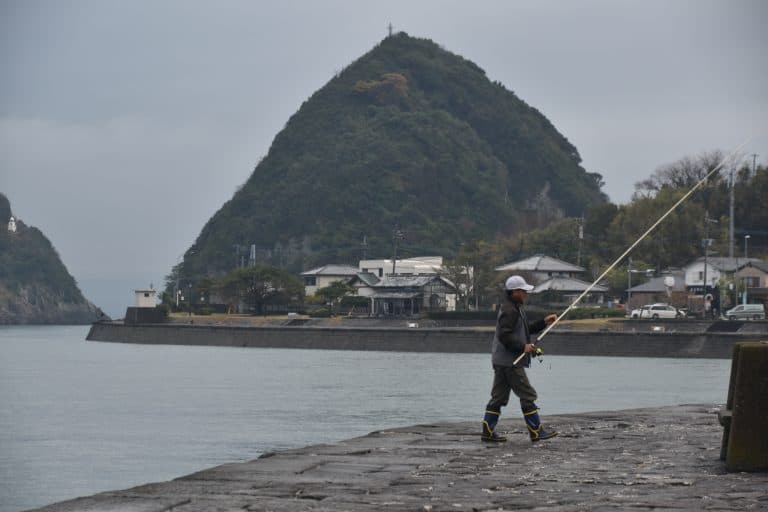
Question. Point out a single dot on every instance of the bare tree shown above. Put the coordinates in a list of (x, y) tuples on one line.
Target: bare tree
[(682, 174)]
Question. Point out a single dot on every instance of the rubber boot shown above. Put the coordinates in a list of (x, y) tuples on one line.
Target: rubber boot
[(536, 431), (489, 424)]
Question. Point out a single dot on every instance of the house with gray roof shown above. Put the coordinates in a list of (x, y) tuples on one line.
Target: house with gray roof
[(716, 268), (541, 267), (752, 282), (403, 295), (321, 277), (565, 290), (655, 290)]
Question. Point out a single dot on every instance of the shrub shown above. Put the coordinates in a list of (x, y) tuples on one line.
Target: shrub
[(164, 309)]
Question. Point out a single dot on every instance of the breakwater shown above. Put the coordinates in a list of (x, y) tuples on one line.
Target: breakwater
[(610, 460), (452, 340)]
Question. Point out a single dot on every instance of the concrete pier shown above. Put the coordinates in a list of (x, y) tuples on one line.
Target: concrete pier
[(656, 458), (667, 343)]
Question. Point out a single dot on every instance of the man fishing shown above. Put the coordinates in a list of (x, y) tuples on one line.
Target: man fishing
[(511, 342)]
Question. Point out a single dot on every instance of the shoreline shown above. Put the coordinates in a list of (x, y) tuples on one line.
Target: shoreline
[(665, 457), (698, 343)]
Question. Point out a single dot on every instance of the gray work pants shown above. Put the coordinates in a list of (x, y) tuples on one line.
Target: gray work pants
[(506, 379)]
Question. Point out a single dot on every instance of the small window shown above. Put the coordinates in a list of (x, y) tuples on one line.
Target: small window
[(146, 294)]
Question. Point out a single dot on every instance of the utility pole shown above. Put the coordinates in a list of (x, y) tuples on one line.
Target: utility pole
[(390, 29), (396, 235), (364, 245), (581, 239), (629, 285), (730, 222), (189, 299), (754, 164), (706, 243)]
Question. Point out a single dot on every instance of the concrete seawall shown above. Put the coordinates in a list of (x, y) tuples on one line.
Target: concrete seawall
[(454, 340)]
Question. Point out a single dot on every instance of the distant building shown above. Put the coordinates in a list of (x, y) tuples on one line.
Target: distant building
[(540, 267), (566, 289), (753, 274), (402, 295), (321, 277), (418, 265), (145, 298), (12, 225), (717, 268), (752, 279), (655, 290)]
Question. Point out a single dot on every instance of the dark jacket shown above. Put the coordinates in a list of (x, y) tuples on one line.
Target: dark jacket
[(513, 332)]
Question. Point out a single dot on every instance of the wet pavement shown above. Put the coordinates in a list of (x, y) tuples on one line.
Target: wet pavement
[(656, 458)]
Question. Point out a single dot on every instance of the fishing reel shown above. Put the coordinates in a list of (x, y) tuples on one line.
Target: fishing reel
[(539, 354)]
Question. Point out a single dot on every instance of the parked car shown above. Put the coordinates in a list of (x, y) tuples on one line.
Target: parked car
[(656, 311), (746, 312)]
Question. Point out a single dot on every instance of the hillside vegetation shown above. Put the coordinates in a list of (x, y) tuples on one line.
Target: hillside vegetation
[(35, 286), (409, 135)]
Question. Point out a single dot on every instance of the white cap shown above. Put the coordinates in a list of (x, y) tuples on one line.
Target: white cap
[(517, 283)]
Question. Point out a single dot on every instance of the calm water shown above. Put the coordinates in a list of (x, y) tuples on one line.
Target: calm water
[(81, 417)]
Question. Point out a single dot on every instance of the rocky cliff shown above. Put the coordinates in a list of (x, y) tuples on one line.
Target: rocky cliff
[(35, 286)]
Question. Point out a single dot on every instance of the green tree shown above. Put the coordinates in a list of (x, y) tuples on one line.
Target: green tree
[(334, 292), (259, 285), (675, 242)]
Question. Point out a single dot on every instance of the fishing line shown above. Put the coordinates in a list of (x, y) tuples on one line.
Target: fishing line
[(647, 232)]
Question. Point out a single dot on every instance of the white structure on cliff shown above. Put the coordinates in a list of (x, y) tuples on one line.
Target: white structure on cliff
[(12, 225)]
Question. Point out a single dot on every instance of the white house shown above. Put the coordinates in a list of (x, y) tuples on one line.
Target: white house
[(406, 266), (145, 298), (12, 225), (321, 277), (541, 267), (717, 267)]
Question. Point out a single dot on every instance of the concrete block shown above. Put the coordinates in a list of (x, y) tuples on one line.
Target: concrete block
[(748, 399)]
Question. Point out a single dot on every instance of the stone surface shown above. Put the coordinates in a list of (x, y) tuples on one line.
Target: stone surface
[(662, 458)]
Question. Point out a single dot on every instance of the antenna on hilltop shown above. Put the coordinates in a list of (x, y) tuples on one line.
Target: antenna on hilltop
[(390, 29), (364, 245)]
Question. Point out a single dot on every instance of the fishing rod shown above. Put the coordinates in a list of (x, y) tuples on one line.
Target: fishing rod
[(647, 232)]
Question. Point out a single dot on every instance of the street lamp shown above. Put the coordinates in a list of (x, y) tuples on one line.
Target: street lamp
[(189, 287), (746, 241)]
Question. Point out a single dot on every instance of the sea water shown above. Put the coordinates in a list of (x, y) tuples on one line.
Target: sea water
[(79, 417)]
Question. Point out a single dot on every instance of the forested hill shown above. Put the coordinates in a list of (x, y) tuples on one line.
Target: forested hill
[(409, 135), (35, 287)]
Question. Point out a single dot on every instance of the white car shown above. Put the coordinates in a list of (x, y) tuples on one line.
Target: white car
[(656, 311)]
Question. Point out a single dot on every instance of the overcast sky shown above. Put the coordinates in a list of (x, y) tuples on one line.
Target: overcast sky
[(124, 125)]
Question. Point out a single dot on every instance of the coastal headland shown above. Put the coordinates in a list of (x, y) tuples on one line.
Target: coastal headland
[(641, 459), (634, 339)]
